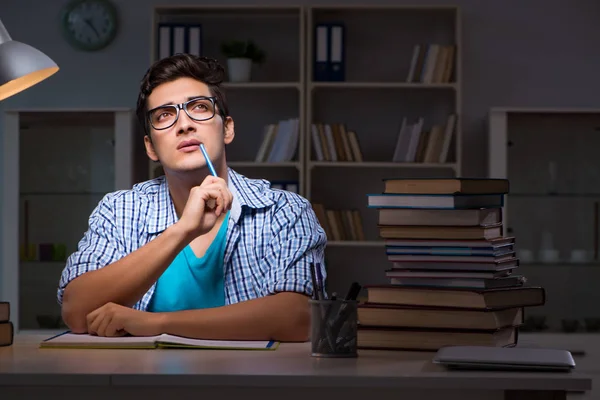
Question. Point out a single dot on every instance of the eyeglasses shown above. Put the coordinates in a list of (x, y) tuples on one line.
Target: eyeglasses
[(199, 109)]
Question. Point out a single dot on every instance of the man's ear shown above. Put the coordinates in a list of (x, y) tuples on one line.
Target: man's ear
[(229, 130), (150, 148)]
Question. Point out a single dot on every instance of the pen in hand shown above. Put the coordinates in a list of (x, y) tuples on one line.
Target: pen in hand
[(210, 203)]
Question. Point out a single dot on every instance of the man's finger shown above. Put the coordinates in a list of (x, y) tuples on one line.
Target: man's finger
[(106, 318), (114, 328)]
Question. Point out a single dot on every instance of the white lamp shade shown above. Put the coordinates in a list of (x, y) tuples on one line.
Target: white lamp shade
[(21, 66)]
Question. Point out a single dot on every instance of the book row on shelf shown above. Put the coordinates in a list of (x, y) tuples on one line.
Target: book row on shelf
[(280, 141), (417, 145), (452, 273), (340, 225), (432, 63), (333, 142)]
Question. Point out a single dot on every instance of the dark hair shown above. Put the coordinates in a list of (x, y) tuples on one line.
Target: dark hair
[(204, 69)]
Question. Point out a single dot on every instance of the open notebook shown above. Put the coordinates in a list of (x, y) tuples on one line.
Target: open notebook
[(86, 341)]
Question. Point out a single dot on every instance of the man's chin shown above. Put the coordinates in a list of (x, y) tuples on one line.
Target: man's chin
[(189, 168)]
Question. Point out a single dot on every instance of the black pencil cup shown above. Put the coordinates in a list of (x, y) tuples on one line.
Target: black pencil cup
[(333, 328)]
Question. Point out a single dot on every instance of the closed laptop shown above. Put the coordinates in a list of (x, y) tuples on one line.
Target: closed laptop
[(505, 358)]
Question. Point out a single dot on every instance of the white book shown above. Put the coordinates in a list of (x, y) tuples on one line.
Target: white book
[(268, 134), (413, 63), (398, 157), (314, 132), (447, 138)]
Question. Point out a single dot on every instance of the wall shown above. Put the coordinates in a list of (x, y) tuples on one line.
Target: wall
[(538, 54)]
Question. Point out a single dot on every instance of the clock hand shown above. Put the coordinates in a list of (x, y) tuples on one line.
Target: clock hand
[(88, 21)]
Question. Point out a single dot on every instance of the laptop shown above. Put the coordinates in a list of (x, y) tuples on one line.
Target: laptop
[(504, 358)]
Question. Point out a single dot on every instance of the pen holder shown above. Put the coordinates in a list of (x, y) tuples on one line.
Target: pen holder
[(333, 328)]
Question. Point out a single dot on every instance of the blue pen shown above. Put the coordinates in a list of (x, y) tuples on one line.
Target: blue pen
[(208, 163)]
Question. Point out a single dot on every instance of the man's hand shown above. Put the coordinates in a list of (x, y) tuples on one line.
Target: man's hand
[(197, 217), (115, 320)]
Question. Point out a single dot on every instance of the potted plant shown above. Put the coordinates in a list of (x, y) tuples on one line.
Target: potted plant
[(240, 57)]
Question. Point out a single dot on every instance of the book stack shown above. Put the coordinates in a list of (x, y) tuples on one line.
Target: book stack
[(452, 276), (7, 332)]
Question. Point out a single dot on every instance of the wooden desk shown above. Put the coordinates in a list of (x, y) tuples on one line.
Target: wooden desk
[(27, 372)]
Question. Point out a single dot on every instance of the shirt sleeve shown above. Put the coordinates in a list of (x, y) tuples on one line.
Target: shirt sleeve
[(297, 241), (99, 246)]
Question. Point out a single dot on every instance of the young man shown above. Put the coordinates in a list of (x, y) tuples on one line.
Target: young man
[(189, 253)]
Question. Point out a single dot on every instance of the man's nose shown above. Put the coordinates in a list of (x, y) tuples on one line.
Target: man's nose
[(185, 123)]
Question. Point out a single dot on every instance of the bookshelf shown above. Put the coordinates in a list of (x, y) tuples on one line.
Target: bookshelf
[(57, 166), (371, 100), (275, 91), (550, 157)]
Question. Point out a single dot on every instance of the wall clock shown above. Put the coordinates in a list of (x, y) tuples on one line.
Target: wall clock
[(89, 24)]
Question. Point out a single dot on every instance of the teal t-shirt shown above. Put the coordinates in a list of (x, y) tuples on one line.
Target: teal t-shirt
[(191, 282)]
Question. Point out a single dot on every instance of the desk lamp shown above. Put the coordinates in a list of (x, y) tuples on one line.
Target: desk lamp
[(21, 66)]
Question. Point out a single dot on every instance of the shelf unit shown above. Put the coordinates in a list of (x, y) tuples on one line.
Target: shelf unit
[(57, 165), (376, 82), (374, 97), (550, 157), (277, 89)]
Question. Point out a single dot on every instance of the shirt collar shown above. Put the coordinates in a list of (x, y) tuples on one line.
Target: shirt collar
[(255, 193)]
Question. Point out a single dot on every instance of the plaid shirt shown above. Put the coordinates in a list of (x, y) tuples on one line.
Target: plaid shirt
[(272, 237)]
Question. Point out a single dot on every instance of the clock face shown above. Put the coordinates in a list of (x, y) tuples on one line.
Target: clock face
[(90, 24)]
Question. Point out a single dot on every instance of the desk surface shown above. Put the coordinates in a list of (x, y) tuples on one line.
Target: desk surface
[(24, 363)]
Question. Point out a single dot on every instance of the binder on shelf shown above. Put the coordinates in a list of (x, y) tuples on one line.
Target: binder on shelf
[(337, 53), (179, 38), (329, 52), (321, 49), (164, 41), (194, 36)]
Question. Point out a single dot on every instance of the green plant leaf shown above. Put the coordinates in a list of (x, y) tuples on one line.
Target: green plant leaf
[(243, 49)]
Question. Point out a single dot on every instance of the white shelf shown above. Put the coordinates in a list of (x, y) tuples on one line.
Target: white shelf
[(83, 151), (262, 85), (369, 164), (353, 243), (524, 145), (252, 164), (382, 85)]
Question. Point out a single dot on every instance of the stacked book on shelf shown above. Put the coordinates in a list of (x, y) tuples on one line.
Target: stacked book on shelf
[(453, 274), (7, 331)]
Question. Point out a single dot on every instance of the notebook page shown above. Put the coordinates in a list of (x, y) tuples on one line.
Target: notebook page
[(74, 339), (234, 344)]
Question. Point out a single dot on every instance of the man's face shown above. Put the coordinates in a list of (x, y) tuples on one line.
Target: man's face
[(177, 147)]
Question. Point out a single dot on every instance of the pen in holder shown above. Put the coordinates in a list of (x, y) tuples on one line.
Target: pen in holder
[(333, 327)]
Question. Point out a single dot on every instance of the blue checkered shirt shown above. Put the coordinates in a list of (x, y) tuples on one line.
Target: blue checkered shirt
[(272, 237)]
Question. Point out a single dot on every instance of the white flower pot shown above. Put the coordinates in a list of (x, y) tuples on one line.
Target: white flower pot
[(239, 69)]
